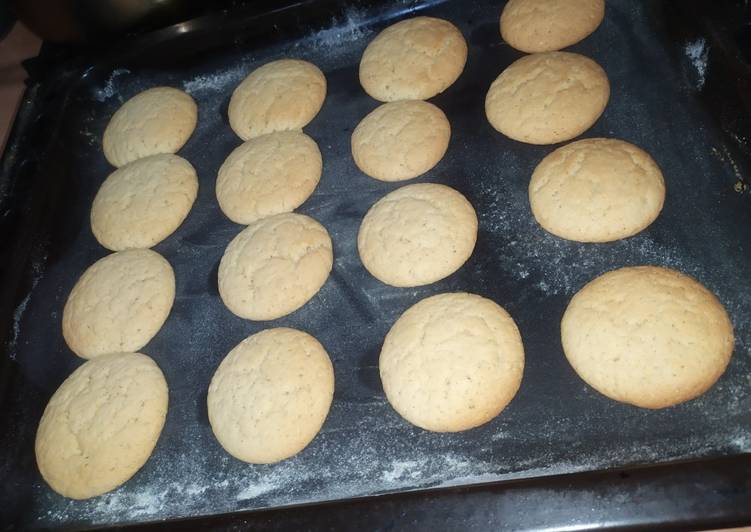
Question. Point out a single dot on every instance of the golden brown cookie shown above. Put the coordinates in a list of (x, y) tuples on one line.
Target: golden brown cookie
[(647, 336), (268, 175), (142, 203), (119, 303), (534, 26), (158, 120), (452, 362), (417, 235), (547, 98), (279, 96), (596, 190), (414, 59), (274, 266), (101, 425), (270, 395), (401, 140)]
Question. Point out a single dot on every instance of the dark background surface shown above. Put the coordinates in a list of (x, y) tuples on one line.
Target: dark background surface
[(670, 96)]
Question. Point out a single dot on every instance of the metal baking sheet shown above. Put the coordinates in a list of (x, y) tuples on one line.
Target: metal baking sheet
[(556, 424)]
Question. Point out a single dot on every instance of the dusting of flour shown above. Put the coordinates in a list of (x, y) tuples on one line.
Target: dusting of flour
[(340, 34), (110, 88), (697, 52), (204, 85), (37, 272)]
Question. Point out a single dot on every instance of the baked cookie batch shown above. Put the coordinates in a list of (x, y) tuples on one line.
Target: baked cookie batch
[(646, 335)]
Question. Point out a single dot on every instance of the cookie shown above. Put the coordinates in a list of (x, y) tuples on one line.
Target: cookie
[(279, 96), (142, 203), (119, 303), (452, 362), (101, 425), (270, 395), (401, 140), (596, 190), (647, 336), (547, 98), (414, 59), (158, 120), (417, 235), (268, 175), (274, 266), (547, 25)]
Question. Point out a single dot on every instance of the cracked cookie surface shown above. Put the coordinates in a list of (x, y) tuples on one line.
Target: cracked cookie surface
[(452, 362), (417, 234), (268, 175), (534, 26), (270, 395), (400, 140), (414, 59), (274, 266), (158, 120), (647, 336), (142, 203), (279, 96), (101, 425), (119, 303), (596, 190), (547, 98)]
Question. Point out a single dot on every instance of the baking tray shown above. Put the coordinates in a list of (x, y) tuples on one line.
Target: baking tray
[(663, 79)]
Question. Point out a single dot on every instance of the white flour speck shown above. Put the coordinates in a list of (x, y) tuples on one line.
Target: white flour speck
[(401, 468), (17, 315), (500, 435), (698, 52), (456, 464), (251, 492), (195, 489), (37, 269), (223, 81), (281, 477), (144, 502), (726, 157), (109, 90), (742, 443), (341, 32)]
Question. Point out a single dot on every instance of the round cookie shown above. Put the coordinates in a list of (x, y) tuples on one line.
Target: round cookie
[(547, 25), (142, 203), (547, 98), (268, 175), (274, 266), (596, 190), (101, 425), (414, 59), (452, 362), (270, 395), (279, 96), (158, 120), (417, 235), (119, 303), (648, 336), (401, 140)]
